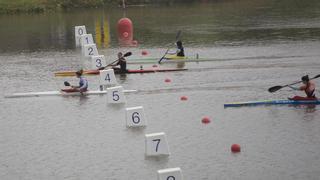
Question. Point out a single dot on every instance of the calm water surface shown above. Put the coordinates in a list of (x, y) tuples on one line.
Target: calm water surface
[(259, 43)]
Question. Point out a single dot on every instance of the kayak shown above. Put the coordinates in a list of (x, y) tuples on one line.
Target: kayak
[(297, 100), (165, 60), (62, 92), (129, 71)]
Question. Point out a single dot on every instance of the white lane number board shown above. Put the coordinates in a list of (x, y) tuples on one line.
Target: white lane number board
[(90, 50), (98, 61), (156, 144), (107, 77), (115, 95), (170, 174), (135, 117)]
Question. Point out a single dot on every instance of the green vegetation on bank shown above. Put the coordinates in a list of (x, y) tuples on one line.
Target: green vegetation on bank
[(38, 6)]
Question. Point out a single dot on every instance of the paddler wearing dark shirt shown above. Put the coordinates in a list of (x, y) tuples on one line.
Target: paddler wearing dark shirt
[(122, 63)]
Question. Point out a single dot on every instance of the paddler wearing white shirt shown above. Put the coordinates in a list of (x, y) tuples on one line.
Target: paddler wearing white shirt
[(83, 83)]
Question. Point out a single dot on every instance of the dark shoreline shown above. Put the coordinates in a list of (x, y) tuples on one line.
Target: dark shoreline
[(41, 6)]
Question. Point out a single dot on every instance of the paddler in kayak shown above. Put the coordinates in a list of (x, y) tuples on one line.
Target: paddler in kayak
[(308, 87), (180, 50), (122, 63), (83, 83)]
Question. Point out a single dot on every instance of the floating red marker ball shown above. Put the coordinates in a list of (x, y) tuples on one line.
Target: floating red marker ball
[(205, 120), (235, 148), (183, 98), (167, 80), (144, 52)]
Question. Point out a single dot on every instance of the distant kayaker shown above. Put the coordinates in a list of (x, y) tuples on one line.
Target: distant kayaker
[(180, 50), (83, 83), (308, 87), (122, 63)]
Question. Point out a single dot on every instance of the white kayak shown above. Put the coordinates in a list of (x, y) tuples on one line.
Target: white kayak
[(60, 93)]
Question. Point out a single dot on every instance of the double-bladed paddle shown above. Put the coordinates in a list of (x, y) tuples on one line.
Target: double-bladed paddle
[(276, 88), (125, 55), (177, 37)]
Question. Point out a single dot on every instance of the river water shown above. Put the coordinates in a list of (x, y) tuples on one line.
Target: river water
[(259, 44)]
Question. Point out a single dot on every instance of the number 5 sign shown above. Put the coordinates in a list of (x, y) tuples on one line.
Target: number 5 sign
[(135, 117), (115, 95)]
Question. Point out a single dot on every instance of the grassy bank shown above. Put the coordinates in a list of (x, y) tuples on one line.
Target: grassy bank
[(38, 6)]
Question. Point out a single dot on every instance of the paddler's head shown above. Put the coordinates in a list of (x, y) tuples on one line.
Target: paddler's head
[(119, 54), (179, 43), (79, 73), (305, 79)]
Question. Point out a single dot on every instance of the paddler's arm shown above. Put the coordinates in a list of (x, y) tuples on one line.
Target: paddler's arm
[(294, 88)]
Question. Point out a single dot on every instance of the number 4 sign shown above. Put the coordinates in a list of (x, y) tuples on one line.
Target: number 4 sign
[(107, 77), (135, 117)]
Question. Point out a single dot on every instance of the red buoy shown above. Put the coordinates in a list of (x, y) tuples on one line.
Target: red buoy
[(125, 29), (144, 52), (167, 80), (183, 98), (125, 32), (205, 120), (235, 148)]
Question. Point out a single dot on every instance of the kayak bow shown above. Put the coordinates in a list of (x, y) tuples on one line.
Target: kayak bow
[(292, 101), (60, 93)]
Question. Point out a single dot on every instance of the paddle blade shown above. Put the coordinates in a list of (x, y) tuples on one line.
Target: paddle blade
[(66, 83), (127, 54), (178, 35), (274, 88)]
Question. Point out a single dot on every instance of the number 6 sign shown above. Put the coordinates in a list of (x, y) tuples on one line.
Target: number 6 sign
[(135, 117)]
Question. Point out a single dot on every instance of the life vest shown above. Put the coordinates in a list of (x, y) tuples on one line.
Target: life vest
[(310, 94)]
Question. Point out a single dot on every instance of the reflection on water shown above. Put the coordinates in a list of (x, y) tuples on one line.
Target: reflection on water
[(231, 23), (123, 78), (102, 32)]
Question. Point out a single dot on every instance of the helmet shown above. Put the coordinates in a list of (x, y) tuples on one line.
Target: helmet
[(305, 78)]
